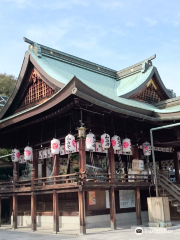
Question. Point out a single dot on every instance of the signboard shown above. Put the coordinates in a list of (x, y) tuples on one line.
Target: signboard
[(126, 198), (107, 199), (92, 198)]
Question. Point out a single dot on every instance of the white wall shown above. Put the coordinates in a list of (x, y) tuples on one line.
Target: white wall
[(72, 222)]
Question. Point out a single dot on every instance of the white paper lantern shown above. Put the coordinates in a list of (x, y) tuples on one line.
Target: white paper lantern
[(105, 141), (28, 153), (55, 146), (15, 155), (70, 142), (126, 145), (90, 141), (146, 148), (116, 143)]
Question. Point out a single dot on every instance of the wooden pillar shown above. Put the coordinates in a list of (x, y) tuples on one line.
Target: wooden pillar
[(35, 163), (56, 166), (0, 211), (82, 156), (138, 206), (111, 162), (44, 169), (15, 208), (112, 208), (55, 212), (82, 218), (111, 191), (33, 212), (16, 170), (176, 166), (81, 194)]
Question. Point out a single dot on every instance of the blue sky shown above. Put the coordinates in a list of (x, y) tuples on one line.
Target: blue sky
[(116, 33)]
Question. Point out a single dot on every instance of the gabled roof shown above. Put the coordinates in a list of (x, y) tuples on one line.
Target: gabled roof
[(61, 69)]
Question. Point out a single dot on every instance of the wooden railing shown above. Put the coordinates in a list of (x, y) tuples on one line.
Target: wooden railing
[(70, 179), (169, 186)]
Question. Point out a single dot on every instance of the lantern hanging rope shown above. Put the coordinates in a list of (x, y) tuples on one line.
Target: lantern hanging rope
[(55, 128)]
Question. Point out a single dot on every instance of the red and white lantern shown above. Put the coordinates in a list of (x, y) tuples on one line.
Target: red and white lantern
[(116, 143), (15, 155), (28, 152), (70, 143), (105, 141), (90, 141), (126, 145), (55, 146), (146, 148)]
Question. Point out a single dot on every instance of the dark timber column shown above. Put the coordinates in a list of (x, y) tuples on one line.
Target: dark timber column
[(44, 171), (138, 206), (81, 194), (35, 163), (56, 166), (44, 168), (14, 211), (55, 212), (0, 211), (16, 169), (111, 191), (33, 211), (176, 166)]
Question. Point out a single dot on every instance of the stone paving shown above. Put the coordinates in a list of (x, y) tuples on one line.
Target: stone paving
[(6, 233)]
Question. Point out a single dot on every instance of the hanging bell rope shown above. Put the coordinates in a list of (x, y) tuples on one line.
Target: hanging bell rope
[(120, 160)]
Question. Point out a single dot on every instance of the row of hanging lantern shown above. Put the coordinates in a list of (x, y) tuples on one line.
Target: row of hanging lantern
[(106, 142), (90, 145)]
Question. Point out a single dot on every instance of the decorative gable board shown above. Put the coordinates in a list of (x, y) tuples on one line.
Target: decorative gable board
[(151, 93), (37, 90)]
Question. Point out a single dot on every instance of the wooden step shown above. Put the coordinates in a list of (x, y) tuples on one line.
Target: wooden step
[(175, 203), (178, 208), (165, 194), (171, 198)]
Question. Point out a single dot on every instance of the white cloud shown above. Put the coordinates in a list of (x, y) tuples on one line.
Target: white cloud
[(19, 3), (68, 4), (130, 24), (151, 22), (111, 4), (50, 33)]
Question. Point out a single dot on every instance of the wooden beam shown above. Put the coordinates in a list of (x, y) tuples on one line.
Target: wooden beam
[(35, 163), (55, 212), (82, 156), (15, 207), (138, 206), (33, 212), (81, 198), (176, 166), (112, 208), (0, 211)]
